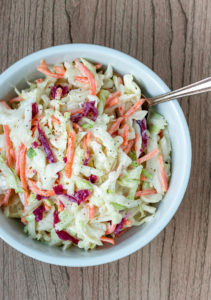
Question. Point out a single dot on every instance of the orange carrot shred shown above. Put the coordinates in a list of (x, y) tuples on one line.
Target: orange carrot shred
[(115, 126), (59, 70), (91, 212), (107, 240), (143, 178), (43, 68), (76, 126), (60, 207), (129, 146), (34, 188), (23, 172), (128, 222), (113, 102), (112, 97), (98, 66), (85, 71), (8, 145), (81, 79), (4, 103), (16, 99), (163, 177), (110, 229), (121, 112), (17, 165), (70, 153), (125, 134), (5, 198), (145, 192), (40, 80), (148, 156), (76, 111), (55, 120), (23, 220), (134, 108)]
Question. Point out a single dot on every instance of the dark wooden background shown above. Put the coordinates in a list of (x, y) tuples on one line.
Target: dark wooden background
[(173, 37)]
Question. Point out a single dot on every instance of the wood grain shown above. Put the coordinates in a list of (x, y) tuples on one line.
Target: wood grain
[(173, 37)]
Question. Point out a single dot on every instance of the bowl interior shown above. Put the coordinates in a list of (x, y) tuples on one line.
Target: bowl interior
[(12, 230)]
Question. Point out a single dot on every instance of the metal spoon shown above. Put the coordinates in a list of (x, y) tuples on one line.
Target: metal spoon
[(198, 87)]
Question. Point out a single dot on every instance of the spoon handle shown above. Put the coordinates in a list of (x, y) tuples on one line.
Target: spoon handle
[(198, 87)]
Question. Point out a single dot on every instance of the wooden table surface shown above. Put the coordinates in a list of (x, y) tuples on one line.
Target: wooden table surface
[(173, 37)]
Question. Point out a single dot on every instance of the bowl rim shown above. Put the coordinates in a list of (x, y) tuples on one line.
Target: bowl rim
[(72, 262)]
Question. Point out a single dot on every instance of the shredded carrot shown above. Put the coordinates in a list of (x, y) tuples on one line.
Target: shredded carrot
[(107, 240), (120, 80), (8, 145), (98, 66), (125, 134), (91, 212), (16, 99), (33, 130), (76, 126), (22, 160), (34, 188), (59, 70), (5, 198), (89, 136), (76, 111), (160, 134), (121, 112), (145, 192), (129, 146), (1, 149), (136, 141), (43, 68), (112, 97), (17, 164), (47, 207), (143, 178), (23, 220), (55, 120), (123, 231), (148, 156), (4, 103), (40, 80), (134, 108), (70, 153), (110, 229), (115, 125), (60, 207), (128, 222), (85, 71), (81, 79), (163, 177), (113, 102)]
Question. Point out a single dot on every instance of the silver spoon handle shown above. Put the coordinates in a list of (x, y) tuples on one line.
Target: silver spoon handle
[(201, 86)]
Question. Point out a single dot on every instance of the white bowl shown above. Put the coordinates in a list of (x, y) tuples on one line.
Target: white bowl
[(11, 231)]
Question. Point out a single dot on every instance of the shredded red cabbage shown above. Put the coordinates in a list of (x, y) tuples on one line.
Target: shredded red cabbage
[(39, 197), (65, 159), (34, 109), (54, 89), (35, 145), (45, 145), (89, 108), (86, 160), (93, 178), (55, 218), (63, 235), (79, 196), (143, 130), (38, 212), (119, 227), (58, 189)]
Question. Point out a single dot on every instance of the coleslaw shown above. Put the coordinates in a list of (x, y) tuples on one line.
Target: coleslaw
[(81, 161)]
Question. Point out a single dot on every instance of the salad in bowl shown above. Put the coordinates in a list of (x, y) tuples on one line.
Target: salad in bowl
[(81, 160)]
